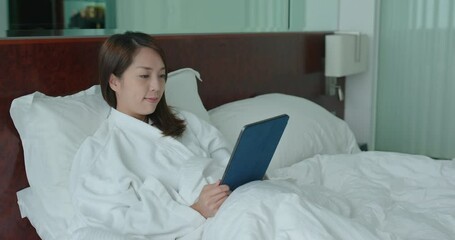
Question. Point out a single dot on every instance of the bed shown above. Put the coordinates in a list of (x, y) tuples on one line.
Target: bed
[(229, 80)]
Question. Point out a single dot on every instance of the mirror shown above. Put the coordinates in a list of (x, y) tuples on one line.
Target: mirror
[(23, 18)]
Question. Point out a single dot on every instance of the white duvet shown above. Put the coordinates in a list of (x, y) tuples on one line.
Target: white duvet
[(370, 195)]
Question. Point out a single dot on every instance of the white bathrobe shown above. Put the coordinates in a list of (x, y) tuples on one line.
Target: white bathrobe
[(131, 179)]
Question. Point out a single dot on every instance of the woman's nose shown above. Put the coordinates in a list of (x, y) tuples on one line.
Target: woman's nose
[(155, 84)]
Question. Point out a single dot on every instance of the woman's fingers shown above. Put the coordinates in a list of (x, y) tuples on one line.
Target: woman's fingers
[(211, 198)]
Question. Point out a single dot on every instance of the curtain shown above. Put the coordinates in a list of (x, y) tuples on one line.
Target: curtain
[(416, 78)]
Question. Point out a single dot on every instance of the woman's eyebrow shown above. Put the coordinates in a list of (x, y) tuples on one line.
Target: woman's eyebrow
[(149, 68)]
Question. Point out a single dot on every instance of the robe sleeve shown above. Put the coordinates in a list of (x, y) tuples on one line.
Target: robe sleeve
[(108, 195), (210, 139)]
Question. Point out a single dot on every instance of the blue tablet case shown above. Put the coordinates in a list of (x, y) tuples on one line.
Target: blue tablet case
[(253, 151)]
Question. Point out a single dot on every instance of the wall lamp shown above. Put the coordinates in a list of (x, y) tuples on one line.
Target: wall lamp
[(346, 53)]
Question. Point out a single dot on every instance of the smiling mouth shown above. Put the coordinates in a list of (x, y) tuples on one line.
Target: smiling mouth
[(152, 99)]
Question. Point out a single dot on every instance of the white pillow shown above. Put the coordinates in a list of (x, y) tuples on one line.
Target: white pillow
[(311, 129), (52, 128), (182, 92)]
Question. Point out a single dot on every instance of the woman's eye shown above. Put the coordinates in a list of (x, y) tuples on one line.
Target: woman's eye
[(163, 76), (144, 76)]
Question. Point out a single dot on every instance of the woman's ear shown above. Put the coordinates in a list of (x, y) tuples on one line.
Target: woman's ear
[(114, 82)]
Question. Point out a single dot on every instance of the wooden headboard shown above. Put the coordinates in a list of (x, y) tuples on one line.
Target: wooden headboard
[(232, 66)]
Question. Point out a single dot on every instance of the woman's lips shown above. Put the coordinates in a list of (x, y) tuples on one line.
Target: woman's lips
[(152, 99)]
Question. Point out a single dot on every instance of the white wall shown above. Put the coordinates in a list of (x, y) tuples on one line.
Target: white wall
[(363, 16), (3, 17)]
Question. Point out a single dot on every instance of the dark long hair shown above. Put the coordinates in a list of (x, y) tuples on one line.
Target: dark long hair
[(115, 56)]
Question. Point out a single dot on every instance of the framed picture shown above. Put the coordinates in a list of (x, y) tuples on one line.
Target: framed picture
[(85, 14)]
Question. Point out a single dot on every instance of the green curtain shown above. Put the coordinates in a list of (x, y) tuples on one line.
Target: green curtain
[(203, 16), (416, 78)]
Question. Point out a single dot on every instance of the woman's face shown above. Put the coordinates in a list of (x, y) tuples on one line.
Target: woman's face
[(141, 86)]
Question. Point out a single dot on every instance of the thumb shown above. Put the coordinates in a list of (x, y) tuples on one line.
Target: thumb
[(218, 182)]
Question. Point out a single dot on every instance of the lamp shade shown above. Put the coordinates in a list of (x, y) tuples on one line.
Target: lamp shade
[(345, 54)]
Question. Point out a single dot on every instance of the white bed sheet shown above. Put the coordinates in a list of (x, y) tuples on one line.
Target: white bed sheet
[(31, 207), (370, 195), (49, 228)]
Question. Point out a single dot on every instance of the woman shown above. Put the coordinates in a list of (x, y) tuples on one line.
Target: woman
[(148, 170)]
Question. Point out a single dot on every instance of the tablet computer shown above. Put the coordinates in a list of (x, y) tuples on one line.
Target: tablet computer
[(253, 151)]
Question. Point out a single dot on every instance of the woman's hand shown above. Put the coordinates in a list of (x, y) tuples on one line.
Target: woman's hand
[(211, 198)]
